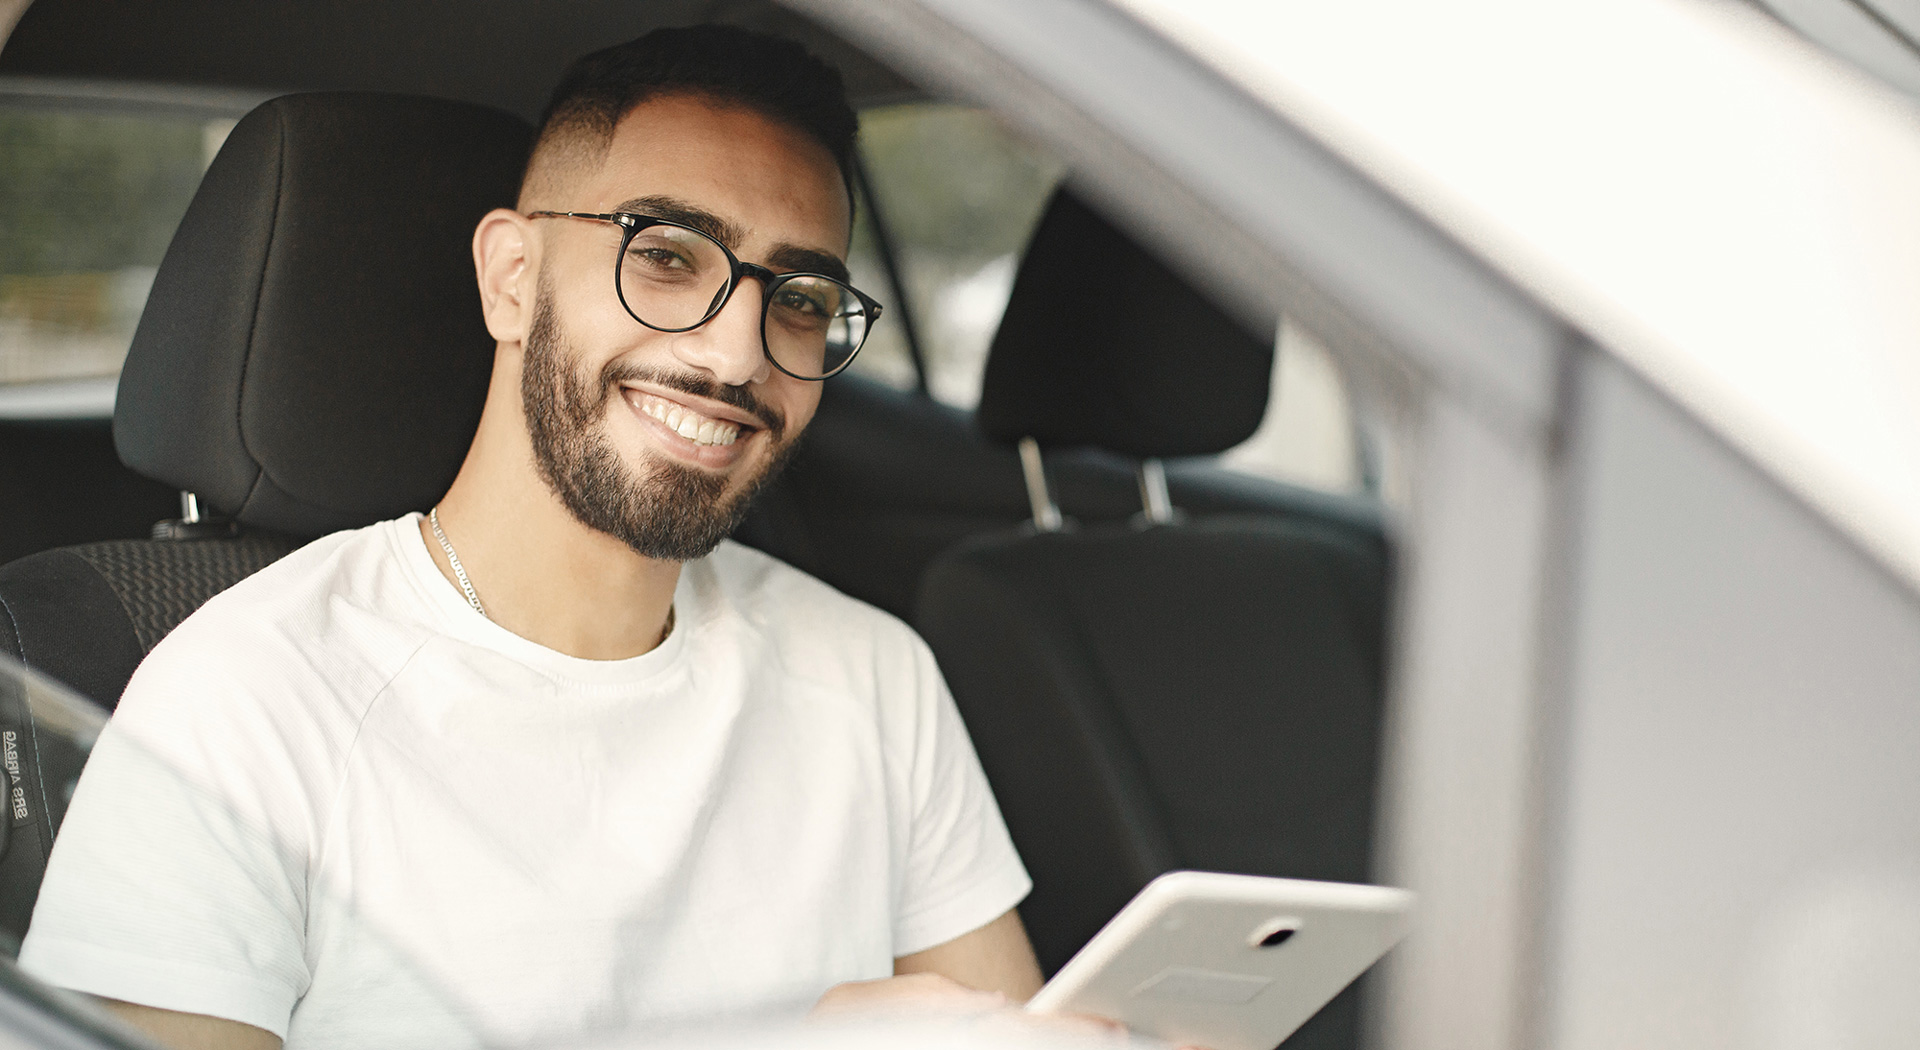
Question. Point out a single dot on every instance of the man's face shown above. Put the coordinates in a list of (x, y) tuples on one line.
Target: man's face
[(661, 439)]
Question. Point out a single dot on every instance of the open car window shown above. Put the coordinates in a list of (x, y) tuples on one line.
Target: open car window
[(91, 189), (959, 196)]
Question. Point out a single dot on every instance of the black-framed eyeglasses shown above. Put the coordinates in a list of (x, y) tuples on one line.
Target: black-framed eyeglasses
[(674, 278)]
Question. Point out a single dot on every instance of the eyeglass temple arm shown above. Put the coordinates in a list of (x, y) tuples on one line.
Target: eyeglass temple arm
[(612, 217)]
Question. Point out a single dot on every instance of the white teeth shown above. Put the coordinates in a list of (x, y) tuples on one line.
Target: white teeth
[(692, 425)]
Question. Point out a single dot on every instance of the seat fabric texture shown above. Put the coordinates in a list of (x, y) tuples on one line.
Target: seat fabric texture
[(1079, 684), (312, 358), (1201, 694), (313, 355), (1103, 344)]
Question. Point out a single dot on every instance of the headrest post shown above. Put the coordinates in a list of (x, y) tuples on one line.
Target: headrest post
[(189, 508), (1154, 499), (1046, 513)]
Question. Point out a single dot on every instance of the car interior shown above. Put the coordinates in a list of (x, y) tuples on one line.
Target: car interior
[(1164, 662)]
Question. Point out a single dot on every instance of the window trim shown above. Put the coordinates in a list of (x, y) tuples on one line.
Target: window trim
[(129, 95), (883, 245)]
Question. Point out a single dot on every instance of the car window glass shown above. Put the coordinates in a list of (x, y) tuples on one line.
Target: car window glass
[(1307, 436), (884, 356), (89, 198), (960, 196)]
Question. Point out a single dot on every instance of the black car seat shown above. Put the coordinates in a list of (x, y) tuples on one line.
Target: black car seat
[(312, 358), (1181, 691)]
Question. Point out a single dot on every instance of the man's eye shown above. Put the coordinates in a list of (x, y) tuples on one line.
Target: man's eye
[(660, 259), (803, 301)]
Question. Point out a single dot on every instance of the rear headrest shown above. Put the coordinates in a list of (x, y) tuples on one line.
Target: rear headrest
[(312, 356), (1103, 345)]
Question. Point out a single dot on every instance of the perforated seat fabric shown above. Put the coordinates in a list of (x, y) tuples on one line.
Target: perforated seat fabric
[(156, 584)]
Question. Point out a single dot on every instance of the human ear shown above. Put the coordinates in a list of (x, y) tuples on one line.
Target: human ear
[(505, 259)]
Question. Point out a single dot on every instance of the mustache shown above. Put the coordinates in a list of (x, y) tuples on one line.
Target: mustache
[(769, 418)]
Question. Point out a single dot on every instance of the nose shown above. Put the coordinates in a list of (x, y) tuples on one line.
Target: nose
[(729, 346)]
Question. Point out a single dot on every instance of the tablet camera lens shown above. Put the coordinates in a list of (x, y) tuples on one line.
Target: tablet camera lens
[(1274, 933)]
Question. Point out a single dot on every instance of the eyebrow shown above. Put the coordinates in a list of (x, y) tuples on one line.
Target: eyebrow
[(785, 256), (676, 210), (794, 258)]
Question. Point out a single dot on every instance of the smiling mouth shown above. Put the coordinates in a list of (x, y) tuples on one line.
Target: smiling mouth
[(691, 425)]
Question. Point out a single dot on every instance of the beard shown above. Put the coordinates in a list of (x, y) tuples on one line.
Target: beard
[(674, 512)]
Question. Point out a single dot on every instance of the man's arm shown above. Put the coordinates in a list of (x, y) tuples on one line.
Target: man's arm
[(184, 1031), (996, 957), (978, 972)]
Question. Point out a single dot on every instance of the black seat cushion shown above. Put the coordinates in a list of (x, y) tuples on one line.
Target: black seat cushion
[(87, 615), (1206, 697)]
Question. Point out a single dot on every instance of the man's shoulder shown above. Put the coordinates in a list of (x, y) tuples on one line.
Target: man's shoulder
[(343, 565), (820, 646), (319, 614), (764, 588), (817, 628)]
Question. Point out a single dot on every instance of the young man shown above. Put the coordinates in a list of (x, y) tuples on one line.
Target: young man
[(556, 761)]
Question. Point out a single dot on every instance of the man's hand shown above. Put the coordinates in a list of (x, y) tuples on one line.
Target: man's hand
[(930, 995), (913, 993), (986, 974)]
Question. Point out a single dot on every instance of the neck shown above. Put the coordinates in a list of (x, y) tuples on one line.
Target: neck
[(539, 572)]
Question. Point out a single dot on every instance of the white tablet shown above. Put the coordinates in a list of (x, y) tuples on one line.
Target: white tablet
[(1229, 962)]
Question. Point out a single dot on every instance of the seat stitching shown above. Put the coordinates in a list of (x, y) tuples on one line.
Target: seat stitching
[(13, 622), (253, 326), (40, 774), (39, 771)]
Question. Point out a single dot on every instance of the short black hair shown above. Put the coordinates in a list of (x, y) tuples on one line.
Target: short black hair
[(770, 75)]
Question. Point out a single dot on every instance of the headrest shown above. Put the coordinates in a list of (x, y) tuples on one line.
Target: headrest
[(1103, 345), (312, 356)]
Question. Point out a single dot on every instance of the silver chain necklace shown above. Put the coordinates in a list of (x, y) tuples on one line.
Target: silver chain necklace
[(466, 585), (459, 571)]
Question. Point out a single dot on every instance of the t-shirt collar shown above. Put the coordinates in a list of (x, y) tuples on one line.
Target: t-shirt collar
[(447, 609)]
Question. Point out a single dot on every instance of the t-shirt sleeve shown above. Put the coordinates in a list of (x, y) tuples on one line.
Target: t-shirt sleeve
[(178, 877), (962, 871)]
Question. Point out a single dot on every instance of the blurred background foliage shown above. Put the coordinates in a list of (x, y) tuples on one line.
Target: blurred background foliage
[(954, 183), (961, 196), (88, 202), (87, 192)]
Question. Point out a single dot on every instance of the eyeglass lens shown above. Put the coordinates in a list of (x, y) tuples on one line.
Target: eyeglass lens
[(674, 278)]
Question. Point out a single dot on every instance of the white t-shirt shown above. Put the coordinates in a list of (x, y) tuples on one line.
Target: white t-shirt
[(340, 805)]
